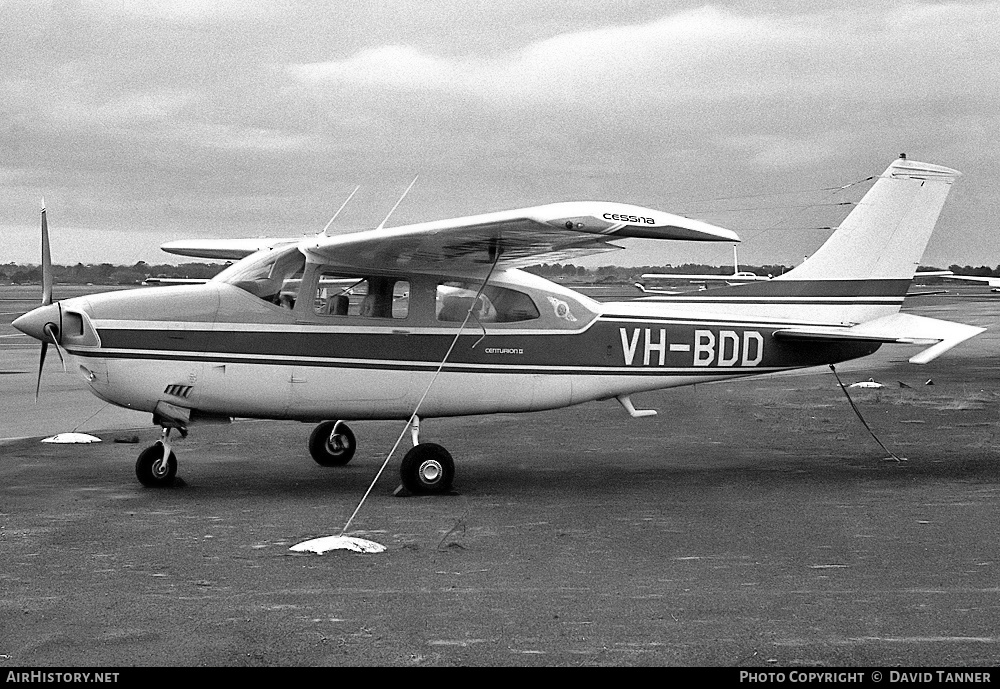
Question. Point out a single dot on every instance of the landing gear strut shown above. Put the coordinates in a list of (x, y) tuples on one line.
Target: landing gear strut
[(332, 443), (157, 464), (427, 468)]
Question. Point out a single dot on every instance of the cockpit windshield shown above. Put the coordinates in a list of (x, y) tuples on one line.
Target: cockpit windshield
[(274, 276)]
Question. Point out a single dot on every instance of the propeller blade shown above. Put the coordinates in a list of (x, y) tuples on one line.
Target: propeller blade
[(46, 261), (41, 364), (50, 330)]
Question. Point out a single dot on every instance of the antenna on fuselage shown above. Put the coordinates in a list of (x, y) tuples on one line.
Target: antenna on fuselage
[(323, 233), (382, 224)]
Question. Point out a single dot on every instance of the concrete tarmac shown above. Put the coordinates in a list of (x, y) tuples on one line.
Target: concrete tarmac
[(752, 523)]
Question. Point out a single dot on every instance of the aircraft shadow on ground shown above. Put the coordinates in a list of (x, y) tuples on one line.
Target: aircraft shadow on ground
[(619, 476)]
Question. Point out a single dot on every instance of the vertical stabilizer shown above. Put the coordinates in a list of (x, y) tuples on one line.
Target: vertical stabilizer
[(863, 270), (885, 235)]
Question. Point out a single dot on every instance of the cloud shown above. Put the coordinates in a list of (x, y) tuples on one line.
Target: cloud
[(193, 11), (705, 55), (184, 108)]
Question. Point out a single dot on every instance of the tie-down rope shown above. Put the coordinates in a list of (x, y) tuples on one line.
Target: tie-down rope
[(423, 396), (865, 423)]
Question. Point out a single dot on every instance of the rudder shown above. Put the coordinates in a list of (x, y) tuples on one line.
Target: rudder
[(885, 235)]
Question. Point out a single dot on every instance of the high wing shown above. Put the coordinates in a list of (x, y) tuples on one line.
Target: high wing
[(175, 281), (226, 249), (992, 282), (732, 278), (737, 277), (516, 238), (642, 288)]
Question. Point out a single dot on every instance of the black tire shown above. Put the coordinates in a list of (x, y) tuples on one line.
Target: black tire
[(331, 449), (426, 469), (146, 472)]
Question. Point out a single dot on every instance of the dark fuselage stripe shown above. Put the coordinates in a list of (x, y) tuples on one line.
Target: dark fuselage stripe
[(407, 366), (646, 346)]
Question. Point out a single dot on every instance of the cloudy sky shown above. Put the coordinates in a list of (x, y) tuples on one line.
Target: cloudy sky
[(141, 122)]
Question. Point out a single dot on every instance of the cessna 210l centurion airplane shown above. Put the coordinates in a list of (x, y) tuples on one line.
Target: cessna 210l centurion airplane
[(435, 319), (737, 277), (992, 283)]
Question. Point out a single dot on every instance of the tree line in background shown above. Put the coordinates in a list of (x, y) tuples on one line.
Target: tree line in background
[(108, 274)]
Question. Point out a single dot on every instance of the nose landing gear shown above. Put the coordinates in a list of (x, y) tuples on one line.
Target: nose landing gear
[(157, 464)]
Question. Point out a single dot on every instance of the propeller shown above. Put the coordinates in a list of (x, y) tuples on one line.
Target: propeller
[(43, 323), (46, 261), (41, 363)]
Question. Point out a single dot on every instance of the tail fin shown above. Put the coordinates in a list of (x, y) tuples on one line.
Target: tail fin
[(868, 264), (885, 235), (863, 270)]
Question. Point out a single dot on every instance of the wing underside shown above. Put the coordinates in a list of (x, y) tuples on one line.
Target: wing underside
[(224, 249), (513, 239)]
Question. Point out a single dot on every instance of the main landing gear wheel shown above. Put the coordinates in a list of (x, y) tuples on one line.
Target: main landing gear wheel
[(426, 469), (332, 444), (152, 471)]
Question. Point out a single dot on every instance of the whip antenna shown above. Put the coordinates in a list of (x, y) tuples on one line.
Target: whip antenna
[(339, 209), (382, 224)]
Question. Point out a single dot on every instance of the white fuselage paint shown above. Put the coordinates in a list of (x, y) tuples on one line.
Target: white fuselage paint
[(185, 355), (283, 388), (311, 393)]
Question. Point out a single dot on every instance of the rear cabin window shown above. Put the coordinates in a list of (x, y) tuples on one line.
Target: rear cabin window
[(495, 304), (368, 297)]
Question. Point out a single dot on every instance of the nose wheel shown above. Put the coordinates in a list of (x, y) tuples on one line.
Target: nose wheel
[(156, 466)]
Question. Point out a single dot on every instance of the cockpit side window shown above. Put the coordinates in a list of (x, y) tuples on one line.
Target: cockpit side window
[(494, 305), (274, 277), (368, 297)]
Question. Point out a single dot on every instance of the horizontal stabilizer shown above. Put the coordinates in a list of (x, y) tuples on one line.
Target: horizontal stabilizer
[(992, 282), (898, 328)]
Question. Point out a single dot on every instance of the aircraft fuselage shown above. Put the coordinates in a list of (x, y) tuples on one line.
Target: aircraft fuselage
[(218, 350)]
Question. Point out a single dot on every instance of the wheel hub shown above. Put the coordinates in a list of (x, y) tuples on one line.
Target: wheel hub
[(335, 443), (431, 471)]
